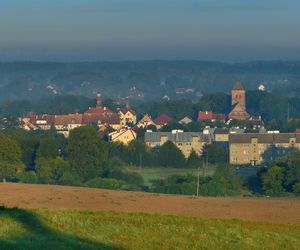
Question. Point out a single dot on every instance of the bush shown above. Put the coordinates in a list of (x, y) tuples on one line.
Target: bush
[(68, 179), (223, 183), (28, 177), (296, 189), (176, 184), (129, 177), (107, 183)]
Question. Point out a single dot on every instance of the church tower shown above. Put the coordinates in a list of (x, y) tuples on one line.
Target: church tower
[(99, 100), (238, 102), (238, 95)]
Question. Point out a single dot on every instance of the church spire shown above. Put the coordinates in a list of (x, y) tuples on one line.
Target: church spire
[(98, 100), (238, 86)]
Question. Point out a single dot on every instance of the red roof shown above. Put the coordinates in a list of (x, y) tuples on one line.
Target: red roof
[(205, 115), (110, 119), (90, 118), (105, 118), (209, 116), (48, 119), (162, 119), (98, 110), (298, 130)]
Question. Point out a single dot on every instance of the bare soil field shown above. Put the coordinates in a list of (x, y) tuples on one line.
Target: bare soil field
[(279, 210)]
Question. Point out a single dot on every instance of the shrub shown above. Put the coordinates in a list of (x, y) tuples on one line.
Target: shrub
[(129, 177), (105, 183), (296, 189), (28, 177)]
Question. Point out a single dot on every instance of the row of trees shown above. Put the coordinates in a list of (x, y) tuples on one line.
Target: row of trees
[(223, 183), (85, 159), (46, 157), (279, 178)]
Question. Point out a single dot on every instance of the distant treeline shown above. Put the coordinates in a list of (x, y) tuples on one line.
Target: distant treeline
[(29, 80)]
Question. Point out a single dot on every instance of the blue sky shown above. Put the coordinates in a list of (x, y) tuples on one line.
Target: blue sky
[(228, 30)]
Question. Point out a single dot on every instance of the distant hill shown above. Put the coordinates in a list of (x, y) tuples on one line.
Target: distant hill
[(143, 80)]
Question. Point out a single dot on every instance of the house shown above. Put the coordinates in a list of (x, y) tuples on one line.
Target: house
[(127, 115), (210, 116), (185, 120), (162, 120), (68, 122), (44, 122), (145, 122), (180, 91), (124, 135), (111, 120), (221, 135), (255, 148), (185, 141)]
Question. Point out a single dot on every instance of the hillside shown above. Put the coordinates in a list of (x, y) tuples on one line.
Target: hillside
[(70, 229), (276, 210), (142, 80)]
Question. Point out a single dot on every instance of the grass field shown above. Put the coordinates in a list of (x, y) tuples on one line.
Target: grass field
[(159, 172), (71, 229)]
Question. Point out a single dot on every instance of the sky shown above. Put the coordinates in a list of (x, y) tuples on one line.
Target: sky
[(101, 30)]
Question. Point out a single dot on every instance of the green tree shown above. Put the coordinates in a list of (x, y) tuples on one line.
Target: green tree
[(47, 148), (296, 188), (292, 175), (137, 153), (171, 156), (216, 154), (86, 152), (273, 181), (10, 158), (194, 160), (44, 169), (223, 183)]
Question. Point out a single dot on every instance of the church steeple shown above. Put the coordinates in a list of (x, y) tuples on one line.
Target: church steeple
[(238, 101), (99, 100), (238, 86)]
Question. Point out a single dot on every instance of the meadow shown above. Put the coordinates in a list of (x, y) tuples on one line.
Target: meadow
[(153, 173), (79, 229)]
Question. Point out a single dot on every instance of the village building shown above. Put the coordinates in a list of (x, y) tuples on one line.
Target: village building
[(162, 120), (186, 120), (255, 148), (238, 102), (33, 122), (127, 115), (65, 123), (124, 135), (210, 116), (145, 122), (185, 141)]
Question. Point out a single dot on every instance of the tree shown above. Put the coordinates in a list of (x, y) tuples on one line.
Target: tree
[(86, 152), (273, 181), (47, 149), (216, 154), (194, 160), (223, 183), (137, 152), (171, 156), (292, 171), (296, 188), (44, 169), (10, 158)]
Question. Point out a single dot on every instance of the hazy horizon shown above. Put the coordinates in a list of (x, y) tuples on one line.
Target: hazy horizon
[(138, 30)]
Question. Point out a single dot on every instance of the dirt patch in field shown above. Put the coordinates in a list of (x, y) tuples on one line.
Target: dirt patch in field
[(282, 210)]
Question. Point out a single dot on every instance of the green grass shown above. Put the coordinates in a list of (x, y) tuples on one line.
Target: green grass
[(160, 172), (70, 229)]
